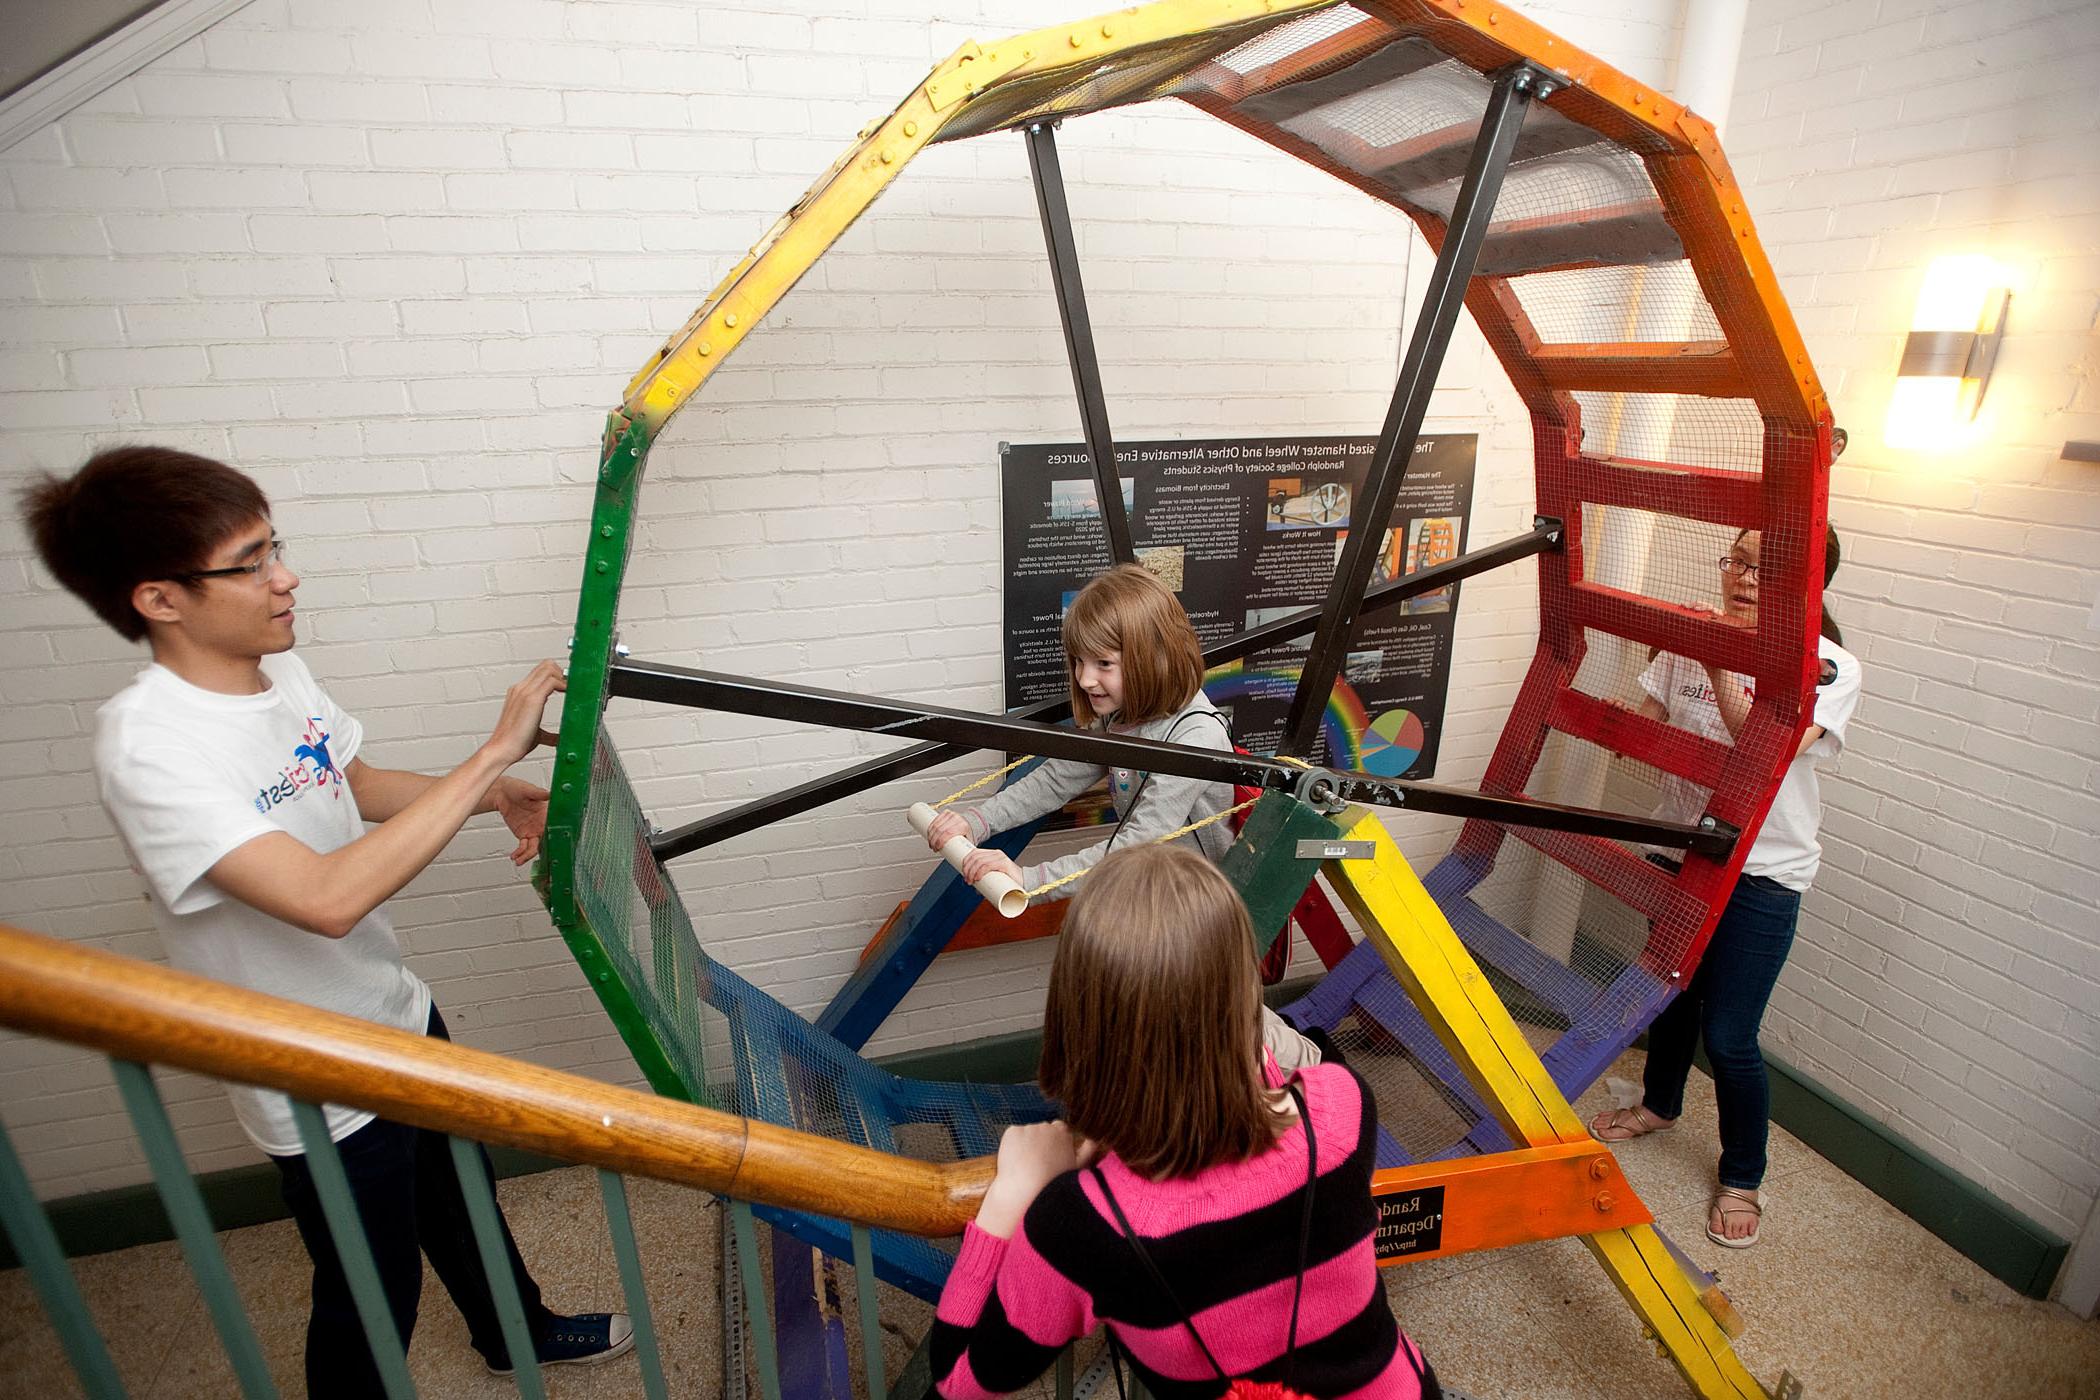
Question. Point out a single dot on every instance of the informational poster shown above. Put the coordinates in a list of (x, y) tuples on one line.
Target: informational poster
[(1247, 530)]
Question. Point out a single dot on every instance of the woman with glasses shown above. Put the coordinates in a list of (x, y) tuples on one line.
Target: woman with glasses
[(1724, 1004)]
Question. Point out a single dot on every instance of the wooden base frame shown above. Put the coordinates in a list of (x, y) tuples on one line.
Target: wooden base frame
[(1561, 1182)]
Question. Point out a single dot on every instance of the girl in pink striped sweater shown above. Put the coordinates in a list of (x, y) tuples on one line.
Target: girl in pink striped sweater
[(1217, 1217)]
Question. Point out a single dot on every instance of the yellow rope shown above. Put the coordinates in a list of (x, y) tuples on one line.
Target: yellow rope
[(1176, 835), (1157, 840), (987, 778)]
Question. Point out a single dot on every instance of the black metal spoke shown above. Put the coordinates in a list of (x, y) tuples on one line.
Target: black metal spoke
[(1499, 126), (832, 787), (1079, 337)]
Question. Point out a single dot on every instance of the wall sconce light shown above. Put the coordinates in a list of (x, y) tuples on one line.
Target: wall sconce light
[(1954, 338)]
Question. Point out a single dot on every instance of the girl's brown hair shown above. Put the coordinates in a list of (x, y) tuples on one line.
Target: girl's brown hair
[(1152, 1031), (1128, 611), (1831, 554)]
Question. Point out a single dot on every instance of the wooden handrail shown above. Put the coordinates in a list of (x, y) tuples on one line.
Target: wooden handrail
[(156, 1015)]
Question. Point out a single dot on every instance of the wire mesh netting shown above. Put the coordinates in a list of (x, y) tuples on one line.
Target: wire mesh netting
[(1382, 106), (1680, 429), (1401, 120), (784, 1070), (1239, 53), (1658, 303), (1312, 44), (639, 919)]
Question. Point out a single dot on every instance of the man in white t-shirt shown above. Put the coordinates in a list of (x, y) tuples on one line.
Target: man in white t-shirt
[(242, 795)]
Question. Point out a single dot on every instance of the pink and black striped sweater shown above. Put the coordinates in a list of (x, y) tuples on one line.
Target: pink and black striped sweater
[(1227, 1241)]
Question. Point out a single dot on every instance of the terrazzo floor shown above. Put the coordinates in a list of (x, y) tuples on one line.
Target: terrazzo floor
[(1846, 1294)]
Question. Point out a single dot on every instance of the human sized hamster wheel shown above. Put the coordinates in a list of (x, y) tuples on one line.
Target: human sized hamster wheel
[(1594, 232)]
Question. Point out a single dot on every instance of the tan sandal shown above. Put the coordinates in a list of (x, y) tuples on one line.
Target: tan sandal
[(1734, 1200), (1626, 1124)]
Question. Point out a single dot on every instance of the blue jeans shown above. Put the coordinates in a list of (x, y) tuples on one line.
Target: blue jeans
[(408, 1197), (1724, 1005)]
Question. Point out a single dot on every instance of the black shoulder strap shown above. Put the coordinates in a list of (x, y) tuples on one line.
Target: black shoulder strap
[(1188, 715), (1304, 1249), (1146, 781)]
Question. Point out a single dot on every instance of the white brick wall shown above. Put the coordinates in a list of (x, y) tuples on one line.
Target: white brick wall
[(1947, 978), (397, 259)]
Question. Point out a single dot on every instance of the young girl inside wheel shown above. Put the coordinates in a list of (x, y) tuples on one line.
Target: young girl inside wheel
[(1724, 1004), (1136, 669), (1216, 1216)]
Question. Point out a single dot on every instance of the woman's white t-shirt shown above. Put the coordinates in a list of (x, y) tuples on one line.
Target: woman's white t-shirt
[(1786, 848), (188, 775)]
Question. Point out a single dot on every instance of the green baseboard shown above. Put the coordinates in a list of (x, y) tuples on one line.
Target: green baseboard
[(1011, 1058), (996, 1059), (100, 1221), (1999, 1239)]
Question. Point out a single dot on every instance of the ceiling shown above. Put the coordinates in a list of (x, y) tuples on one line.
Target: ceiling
[(38, 35)]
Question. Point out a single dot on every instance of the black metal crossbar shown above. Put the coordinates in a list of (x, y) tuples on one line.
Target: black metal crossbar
[(1545, 535), (805, 704), (832, 787)]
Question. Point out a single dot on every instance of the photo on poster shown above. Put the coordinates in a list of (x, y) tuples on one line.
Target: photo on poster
[(1168, 563), (1076, 499), (1295, 504), (1386, 566), (1431, 540), (1262, 617)]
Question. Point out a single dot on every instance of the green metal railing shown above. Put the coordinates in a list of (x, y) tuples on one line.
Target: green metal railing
[(35, 1000), (36, 1245)]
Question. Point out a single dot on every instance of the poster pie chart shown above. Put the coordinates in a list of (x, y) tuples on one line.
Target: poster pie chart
[(1392, 743)]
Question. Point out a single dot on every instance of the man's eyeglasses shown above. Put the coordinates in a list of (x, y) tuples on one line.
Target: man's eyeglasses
[(1737, 567), (273, 556)]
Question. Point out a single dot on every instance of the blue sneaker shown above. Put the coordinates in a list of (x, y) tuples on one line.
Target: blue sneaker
[(583, 1340)]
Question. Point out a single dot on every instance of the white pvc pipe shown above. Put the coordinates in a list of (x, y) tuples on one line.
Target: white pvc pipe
[(998, 891), (1709, 49), (2078, 1282)]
